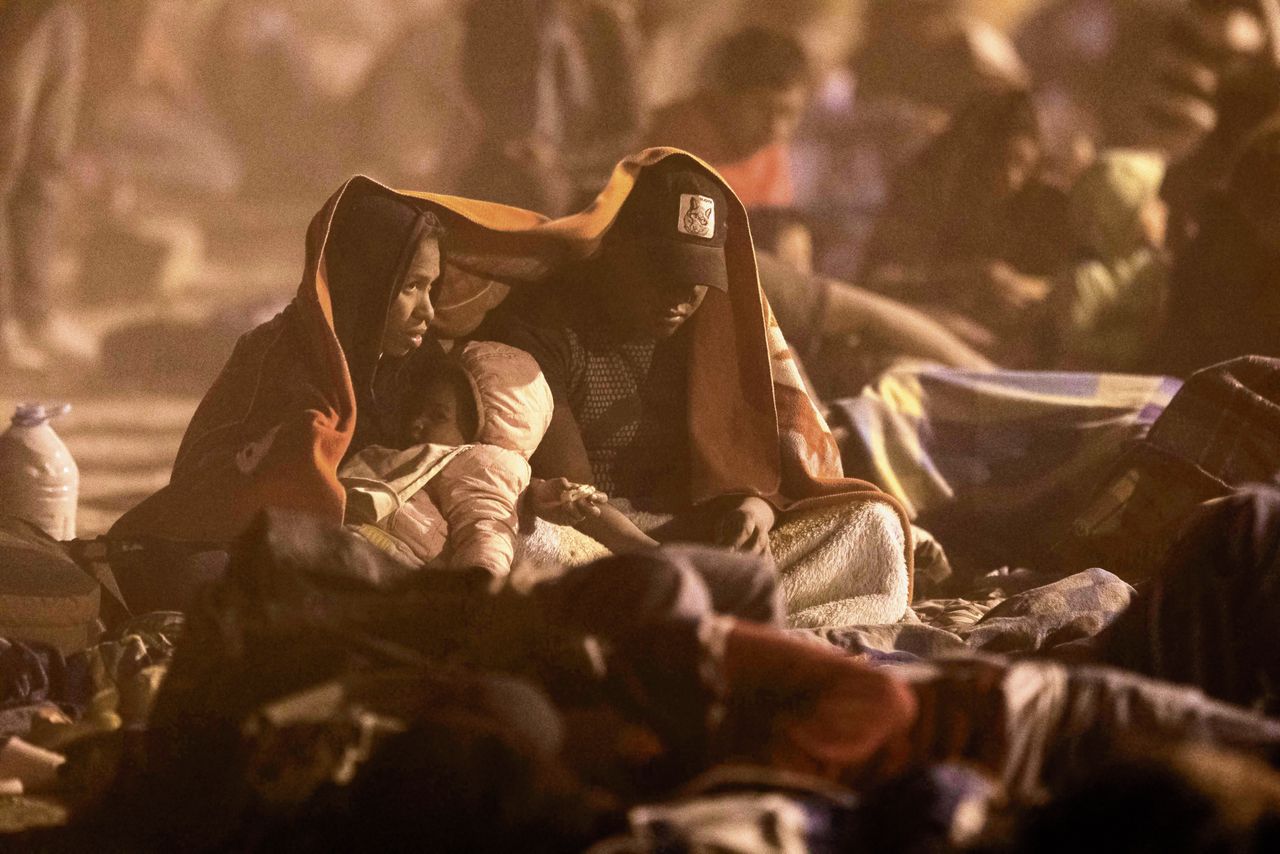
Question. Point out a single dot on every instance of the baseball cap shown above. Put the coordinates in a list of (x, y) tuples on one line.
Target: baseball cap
[(679, 213)]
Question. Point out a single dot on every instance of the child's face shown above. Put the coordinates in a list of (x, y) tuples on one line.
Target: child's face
[(439, 420)]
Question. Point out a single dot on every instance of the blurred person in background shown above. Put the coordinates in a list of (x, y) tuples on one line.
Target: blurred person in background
[(1143, 73), (934, 54), (843, 335), (283, 74), (1109, 304), (675, 30), (758, 84), (313, 90), (1152, 74), (554, 85), (154, 163), (917, 64), (1225, 286), (972, 230), (414, 110), (42, 52), (1244, 104), (149, 130)]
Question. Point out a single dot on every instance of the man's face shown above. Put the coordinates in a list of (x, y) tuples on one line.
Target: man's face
[(1007, 170), (759, 117), (410, 314), (640, 297)]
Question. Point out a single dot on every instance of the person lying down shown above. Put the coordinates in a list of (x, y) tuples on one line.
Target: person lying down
[(448, 496)]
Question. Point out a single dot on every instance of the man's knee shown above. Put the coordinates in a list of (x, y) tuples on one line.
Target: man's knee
[(740, 585), (625, 594)]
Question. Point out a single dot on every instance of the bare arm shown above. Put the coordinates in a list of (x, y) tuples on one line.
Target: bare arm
[(814, 308), (564, 454), (852, 310), (616, 532)]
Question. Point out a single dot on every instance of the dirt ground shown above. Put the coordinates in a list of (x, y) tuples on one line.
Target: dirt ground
[(128, 412)]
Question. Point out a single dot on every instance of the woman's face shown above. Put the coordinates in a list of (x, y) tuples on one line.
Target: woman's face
[(410, 314), (1008, 169)]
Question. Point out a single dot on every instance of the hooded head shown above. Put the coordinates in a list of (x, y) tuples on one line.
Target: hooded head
[(988, 154), (513, 400), (1112, 200), (997, 146), (665, 249), (382, 258)]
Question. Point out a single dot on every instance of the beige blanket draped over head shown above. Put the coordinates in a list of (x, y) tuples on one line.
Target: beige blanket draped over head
[(753, 429)]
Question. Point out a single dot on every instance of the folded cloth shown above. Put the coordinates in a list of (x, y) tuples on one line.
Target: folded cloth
[(996, 464), (35, 768), (1219, 433), (1035, 723), (839, 565)]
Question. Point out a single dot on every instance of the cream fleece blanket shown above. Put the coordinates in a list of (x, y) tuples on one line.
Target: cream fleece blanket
[(840, 565)]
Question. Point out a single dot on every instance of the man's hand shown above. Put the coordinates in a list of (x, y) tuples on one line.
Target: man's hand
[(1015, 292), (745, 526), (562, 502)]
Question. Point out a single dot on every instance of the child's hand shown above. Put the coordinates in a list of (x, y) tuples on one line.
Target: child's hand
[(562, 502)]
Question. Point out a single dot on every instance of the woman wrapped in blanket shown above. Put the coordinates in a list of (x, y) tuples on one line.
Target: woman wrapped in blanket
[(677, 396), (312, 384), (324, 379)]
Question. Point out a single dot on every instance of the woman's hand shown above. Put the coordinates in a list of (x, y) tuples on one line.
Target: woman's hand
[(562, 502), (745, 526), (1015, 292)]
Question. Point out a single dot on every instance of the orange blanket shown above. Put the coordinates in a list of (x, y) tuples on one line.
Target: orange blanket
[(274, 427)]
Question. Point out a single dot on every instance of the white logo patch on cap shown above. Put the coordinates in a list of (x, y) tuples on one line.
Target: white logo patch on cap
[(697, 216)]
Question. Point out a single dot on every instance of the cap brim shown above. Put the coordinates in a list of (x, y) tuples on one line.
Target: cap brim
[(697, 265)]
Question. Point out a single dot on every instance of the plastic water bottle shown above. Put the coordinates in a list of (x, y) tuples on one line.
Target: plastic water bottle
[(39, 481)]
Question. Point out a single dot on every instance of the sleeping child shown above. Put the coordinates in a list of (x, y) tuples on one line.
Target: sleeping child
[(448, 496)]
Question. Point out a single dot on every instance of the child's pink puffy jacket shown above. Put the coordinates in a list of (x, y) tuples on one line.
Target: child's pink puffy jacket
[(457, 507)]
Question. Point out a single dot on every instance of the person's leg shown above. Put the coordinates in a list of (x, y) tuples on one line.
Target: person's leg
[(1035, 724), (659, 638), (1211, 617), (740, 585), (624, 597), (22, 40), (36, 207)]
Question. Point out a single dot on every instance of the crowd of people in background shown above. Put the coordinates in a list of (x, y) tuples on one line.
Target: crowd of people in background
[(993, 178)]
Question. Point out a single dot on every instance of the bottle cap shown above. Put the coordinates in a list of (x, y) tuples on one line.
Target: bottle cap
[(35, 414)]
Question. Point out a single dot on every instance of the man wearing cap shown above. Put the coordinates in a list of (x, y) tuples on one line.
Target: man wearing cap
[(678, 396), (613, 342)]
